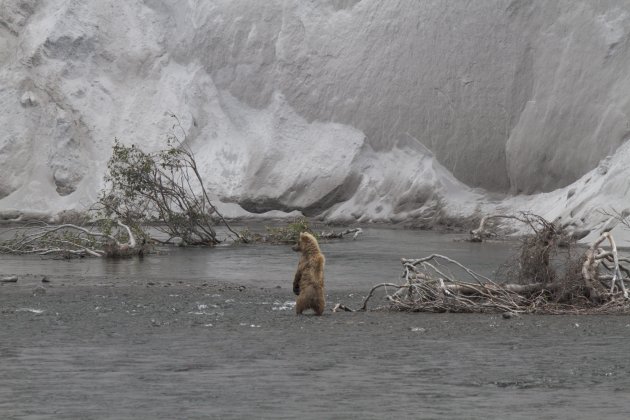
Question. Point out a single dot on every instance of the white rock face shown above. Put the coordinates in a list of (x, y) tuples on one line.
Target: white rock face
[(353, 110)]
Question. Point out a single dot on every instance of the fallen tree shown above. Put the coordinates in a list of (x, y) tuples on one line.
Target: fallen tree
[(355, 232), (145, 192), (163, 189), (289, 233), (105, 238), (593, 282)]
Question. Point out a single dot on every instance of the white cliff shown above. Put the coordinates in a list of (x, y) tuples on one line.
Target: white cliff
[(352, 110)]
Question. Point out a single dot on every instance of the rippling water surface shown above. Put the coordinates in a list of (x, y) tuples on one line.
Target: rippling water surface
[(374, 257), (161, 338)]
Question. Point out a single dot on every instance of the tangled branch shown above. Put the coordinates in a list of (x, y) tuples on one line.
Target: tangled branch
[(69, 240), (164, 189), (592, 283)]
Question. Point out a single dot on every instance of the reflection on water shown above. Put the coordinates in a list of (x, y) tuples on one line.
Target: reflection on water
[(374, 257)]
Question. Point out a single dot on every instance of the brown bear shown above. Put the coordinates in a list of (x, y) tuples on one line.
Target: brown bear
[(308, 284)]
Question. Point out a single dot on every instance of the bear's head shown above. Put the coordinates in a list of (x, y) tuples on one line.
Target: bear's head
[(306, 244)]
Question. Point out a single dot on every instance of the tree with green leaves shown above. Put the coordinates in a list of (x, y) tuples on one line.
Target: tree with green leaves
[(163, 189)]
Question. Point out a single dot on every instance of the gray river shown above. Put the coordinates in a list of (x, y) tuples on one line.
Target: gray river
[(373, 258), (199, 333)]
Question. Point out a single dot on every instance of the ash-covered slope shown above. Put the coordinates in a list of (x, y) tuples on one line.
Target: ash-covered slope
[(586, 205), (349, 109)]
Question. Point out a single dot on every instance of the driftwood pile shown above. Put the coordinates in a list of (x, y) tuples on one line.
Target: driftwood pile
[(593, 281), (71, 241)]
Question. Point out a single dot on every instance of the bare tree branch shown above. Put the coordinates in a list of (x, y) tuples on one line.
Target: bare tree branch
[(431, 283)]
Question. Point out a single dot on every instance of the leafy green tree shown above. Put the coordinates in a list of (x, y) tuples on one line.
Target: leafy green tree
[(163, 189)]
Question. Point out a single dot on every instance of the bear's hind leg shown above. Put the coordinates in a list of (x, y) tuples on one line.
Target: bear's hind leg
[(318, 305), (300, 305)]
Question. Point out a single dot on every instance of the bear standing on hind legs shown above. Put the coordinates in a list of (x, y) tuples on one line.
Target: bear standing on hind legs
[(308, 284)]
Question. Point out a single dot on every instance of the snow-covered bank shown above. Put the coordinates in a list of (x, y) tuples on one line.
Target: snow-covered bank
[(350, 110), (586, 203)]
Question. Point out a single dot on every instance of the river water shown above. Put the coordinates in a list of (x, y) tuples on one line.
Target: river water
[(198, 333), (373, 258)]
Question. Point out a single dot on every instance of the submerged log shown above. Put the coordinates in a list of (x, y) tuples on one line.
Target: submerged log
[(340, 235)]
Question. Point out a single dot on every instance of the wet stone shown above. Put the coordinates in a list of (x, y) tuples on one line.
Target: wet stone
[(39, 291), (509, 315)]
